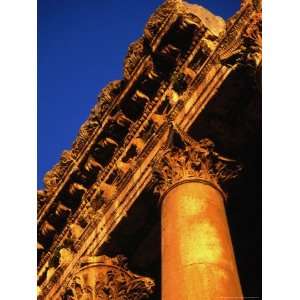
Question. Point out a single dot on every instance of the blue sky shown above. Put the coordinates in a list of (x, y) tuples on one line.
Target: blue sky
[(81, 47)]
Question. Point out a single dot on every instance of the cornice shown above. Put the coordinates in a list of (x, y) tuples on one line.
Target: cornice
[(69, 160)]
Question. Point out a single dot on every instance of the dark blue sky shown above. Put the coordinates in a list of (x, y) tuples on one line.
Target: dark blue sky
[(81, 47)]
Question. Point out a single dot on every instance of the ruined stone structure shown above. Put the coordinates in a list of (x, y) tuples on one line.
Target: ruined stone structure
[(136, 209)]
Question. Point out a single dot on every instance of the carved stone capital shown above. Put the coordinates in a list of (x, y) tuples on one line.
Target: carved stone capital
[(192, 160), (102, 277)]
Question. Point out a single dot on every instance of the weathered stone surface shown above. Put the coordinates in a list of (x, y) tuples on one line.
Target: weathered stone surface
[(170, 74), (214, 23)]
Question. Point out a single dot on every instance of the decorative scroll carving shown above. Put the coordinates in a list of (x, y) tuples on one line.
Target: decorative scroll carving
[(102, 277), (206, 161), (105, 98), (135, 52), (246, 47), (107, 191), (84, 134), (55, 175), (41, 198), (62, 210), (255, 3), (192, 159), (137, 49), (47, 228), (252, 38), (156, 20)]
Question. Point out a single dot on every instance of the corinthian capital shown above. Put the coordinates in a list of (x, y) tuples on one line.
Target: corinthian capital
[(192, 160), (102, 277)]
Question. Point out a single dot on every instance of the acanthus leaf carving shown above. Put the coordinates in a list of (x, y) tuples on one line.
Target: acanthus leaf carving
[(54, 176), (245, 49), (105, 98), (160, 15), (134, 55), (192, 159), (252, 38), (102, 277), (42, 198)]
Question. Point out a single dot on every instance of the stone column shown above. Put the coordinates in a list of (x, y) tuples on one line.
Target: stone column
[(102, 277), (197, 256)]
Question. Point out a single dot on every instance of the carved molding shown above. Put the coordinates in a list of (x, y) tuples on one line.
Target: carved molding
[(58, 173), (105, 98), (257, 4), (135, 52), (54, 176), (246, 46), (160, 15), (102, 277), (192, 159), (252, 40)]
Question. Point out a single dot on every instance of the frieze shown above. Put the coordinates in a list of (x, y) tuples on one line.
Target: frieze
[(234, 28), (54, 176), (135, 52), (252, 40), (105, 99), (99, 214), (243, 46)]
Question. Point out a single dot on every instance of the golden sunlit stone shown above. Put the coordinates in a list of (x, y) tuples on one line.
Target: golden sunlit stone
[(171, 74), (197, 255)]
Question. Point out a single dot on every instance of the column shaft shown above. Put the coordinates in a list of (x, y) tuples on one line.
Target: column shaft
[(197, 255)]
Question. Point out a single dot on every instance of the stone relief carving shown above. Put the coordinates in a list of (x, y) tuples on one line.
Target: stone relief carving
[(252, 39), (245, 48), (84, 134), (105, 98), (41, 198), (55, 175), (255, 3), (110, 92), (135, 52), (102, 277), (156, 20), (194, 159)]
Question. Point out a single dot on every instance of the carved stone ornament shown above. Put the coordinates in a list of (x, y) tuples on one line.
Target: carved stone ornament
[(160, 15), (54, 176), (105, 99), (252, 39), (102, 277), (41, 198), (255, 3), (134, 55), (245, 49), (191, 160)]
